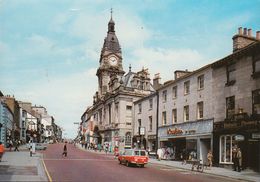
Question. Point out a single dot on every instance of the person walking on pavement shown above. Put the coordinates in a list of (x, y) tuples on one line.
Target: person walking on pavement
[(239, 160), (16, 145), (64, 154), (234, 158), (210, 157), (159, 153), (2, 150)]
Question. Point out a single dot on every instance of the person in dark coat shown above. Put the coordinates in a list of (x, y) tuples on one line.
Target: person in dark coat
[(64, 154)]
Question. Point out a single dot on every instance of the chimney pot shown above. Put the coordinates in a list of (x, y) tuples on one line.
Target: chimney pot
[(245, 31), (240, 30), (249, 32), (258, 35)]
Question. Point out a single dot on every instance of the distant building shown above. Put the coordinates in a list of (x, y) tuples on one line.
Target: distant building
[(6, 122)]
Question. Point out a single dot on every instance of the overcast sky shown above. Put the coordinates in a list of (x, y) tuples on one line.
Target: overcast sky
[(49, 50)]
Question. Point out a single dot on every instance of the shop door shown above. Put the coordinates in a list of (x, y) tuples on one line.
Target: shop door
[(204, 149), (253, 155)]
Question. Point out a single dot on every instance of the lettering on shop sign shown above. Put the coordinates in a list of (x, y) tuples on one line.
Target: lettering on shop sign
[(174, 131)]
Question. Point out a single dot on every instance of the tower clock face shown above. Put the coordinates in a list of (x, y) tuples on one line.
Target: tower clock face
[(113, 60)]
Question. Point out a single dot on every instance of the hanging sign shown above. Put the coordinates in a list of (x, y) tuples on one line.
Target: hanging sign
[(239, 138)]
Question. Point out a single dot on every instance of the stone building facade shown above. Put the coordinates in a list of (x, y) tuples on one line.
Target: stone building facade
[(112, 111), (236, 98), (185, 121)]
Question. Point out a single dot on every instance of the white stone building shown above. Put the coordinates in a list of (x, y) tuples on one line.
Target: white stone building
[(185, 121)]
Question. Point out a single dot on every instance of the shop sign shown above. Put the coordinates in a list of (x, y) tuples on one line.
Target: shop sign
[(256, 135), (151, 137), (174, 131), (239, 138)]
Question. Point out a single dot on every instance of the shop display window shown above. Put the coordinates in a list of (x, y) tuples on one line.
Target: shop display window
[(226, 144)]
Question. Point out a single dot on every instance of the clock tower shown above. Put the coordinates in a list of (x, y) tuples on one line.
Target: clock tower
[(110, 62)]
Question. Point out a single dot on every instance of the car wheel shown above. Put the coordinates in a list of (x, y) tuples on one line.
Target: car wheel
[(142, 165), (127, 164), (120, 162)]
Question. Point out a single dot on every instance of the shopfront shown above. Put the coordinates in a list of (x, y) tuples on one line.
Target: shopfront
[(151, 144), (190, 140), (242, 134)]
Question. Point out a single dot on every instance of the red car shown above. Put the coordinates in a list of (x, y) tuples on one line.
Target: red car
[(133, 156)]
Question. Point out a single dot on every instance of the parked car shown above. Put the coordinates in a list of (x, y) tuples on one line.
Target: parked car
[(133, 156), (38, 146)]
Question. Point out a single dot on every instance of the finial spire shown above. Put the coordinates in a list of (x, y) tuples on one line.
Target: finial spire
[(111, 11), (130, 67)]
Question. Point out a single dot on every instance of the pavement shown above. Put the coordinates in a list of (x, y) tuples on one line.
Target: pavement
[(19, 166), (245, 175)]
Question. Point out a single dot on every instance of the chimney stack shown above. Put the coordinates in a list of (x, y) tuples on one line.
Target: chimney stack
[(240, 31), (245, 32), (249, 32), (156, 81), (258, 35)]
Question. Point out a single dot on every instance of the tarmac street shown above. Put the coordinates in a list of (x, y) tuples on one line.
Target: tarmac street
[(88, 165)]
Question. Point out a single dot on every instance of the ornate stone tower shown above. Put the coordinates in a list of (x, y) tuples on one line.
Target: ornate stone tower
[(110, 62)]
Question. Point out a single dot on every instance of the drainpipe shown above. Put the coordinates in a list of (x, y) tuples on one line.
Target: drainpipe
[(157, 120)]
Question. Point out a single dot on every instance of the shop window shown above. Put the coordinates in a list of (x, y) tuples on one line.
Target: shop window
[(200, 82), (186, 113), (164, 95), (227, 143), (151, 103), (230, 107), (164, 118), (150, 123), (256, 103), (174, 116), (174, 92), (231, 79), (186, 87), (200, 110)]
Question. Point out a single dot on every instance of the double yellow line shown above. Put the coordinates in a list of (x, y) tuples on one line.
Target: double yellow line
[(45, 168)]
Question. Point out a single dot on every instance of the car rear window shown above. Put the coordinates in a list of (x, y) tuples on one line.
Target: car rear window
[(142, 153)]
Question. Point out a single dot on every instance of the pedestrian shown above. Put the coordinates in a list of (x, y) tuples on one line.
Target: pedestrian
[(159, 153), (239, 160), (16, 145), (234, 158), (210, 157), (10, 145), (2, 150), (64, 154), (116, 152), (31, 151), (86, 145)]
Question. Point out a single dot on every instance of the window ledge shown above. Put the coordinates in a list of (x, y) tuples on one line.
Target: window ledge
[(230, 83)]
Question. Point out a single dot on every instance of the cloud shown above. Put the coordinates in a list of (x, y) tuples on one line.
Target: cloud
[(166, 61), (65, 98)]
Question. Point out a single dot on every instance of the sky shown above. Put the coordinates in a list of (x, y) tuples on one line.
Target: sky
[(49, 50)]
